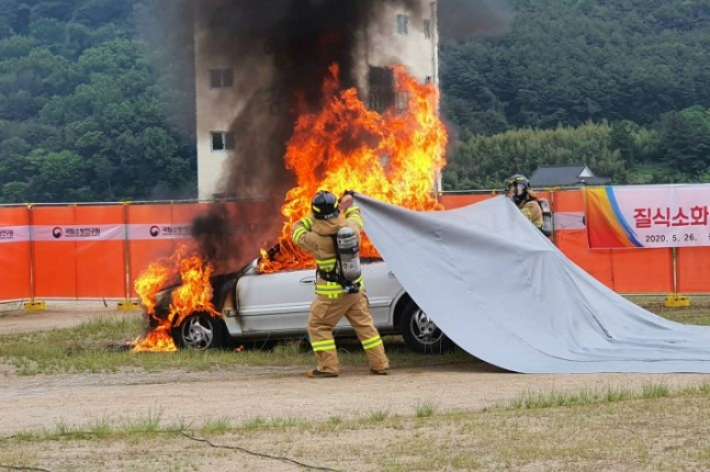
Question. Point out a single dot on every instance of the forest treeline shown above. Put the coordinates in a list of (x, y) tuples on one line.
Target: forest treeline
[(87, 100), (619, 85), (83, 108)]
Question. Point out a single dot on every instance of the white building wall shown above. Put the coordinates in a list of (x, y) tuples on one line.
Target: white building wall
[(383, 46), (216, 109)]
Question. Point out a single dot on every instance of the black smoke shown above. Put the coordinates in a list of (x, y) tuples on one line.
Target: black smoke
[(280, 51), (466, 19)]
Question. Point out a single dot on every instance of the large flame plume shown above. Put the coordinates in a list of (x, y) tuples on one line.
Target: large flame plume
[(193, 295), (394, 157)]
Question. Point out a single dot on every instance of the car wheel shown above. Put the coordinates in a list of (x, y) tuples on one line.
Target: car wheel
[(200, 332), (421, 334)]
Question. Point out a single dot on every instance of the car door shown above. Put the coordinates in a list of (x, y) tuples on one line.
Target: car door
[(383, 289), (276, 303)]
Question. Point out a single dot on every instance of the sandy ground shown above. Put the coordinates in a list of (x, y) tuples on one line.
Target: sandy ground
[(42, 401), (28, 403), (14, 319)]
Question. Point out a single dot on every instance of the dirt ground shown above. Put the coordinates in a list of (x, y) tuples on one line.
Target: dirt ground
[(37, 402), (42, 401)]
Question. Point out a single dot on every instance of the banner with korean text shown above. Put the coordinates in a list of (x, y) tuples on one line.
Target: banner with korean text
[(79, 251), (648, 216)]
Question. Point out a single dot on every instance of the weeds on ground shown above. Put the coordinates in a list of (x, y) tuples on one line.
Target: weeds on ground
[(587, 397), (103, 345), (425, 409)]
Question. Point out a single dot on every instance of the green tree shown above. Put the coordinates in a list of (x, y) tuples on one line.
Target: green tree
[(685, 140), (82, 116), (569, 61), (484, 162)]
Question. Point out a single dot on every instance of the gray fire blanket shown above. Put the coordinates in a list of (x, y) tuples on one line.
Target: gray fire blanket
[(505, 294)]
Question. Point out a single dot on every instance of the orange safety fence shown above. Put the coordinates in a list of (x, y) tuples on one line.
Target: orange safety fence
[(78, 251), (452, 201), (15, 253), (98, 251), (155, 232), (567, 201), (693, 265)]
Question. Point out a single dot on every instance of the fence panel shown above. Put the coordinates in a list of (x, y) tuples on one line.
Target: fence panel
[(693, 269), (79, 251), (14, 253), (567, 201), (155, 232), (573, 243), (452, 201), (641, 270), (98, 251)]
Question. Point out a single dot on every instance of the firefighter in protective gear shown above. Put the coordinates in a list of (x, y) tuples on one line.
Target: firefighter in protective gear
[(316, 234), (518, 189)]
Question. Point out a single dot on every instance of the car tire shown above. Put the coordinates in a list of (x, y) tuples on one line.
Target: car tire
[(421, 334), (199, 332)]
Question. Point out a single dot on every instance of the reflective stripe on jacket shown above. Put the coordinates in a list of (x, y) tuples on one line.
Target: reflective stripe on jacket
[(316, 237)]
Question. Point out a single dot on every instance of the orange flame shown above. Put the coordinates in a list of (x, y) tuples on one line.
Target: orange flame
[(394, 156), (192, 296)]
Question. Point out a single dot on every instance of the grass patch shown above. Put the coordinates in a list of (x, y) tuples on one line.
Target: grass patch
[(95, 347), (92, 347), (254, 424), (698, 313), (587, 397), (377, 416), (335, 420), (216, 426), (424, 409)]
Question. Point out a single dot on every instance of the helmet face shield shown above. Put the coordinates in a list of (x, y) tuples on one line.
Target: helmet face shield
[(517, 189)]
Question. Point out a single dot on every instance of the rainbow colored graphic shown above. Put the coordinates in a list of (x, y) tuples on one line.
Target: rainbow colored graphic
[(606, 225)]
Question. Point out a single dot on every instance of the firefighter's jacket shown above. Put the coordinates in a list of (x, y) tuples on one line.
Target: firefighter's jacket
[(316, 237), (533, 211)]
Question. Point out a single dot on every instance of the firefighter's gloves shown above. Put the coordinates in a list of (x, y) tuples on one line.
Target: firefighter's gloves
[(346, 200)]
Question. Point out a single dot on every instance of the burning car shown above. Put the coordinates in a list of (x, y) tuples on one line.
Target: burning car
[(251, 305), (394, 154)]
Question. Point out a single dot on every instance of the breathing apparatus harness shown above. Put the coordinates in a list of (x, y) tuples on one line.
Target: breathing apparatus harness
[(347, 267), (347, 270)]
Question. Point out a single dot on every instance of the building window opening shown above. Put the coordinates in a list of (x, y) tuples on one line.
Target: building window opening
[(381, 84), (222, 141), (402, 24), (221, 78), (427, 29)]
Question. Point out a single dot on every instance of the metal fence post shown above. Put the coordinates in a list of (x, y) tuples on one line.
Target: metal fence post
[(33, 304), (676, 299), (127, 304)]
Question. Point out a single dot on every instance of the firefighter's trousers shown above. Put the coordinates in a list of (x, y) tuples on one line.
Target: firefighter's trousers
[(326, 313)]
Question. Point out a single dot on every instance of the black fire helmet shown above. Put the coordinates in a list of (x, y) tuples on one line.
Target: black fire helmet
[(325, 205)]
